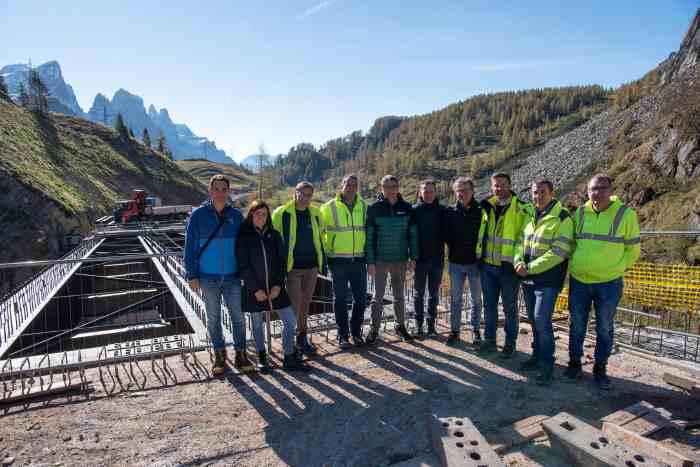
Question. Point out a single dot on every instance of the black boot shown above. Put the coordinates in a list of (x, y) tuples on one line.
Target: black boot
[(600, 376), (293, 362), (487, 347), (305, 346), (476, 338), (219, 366), (453, 339), (241, 362), (507, 352), (420, 335), (574, 371), (263, 363), (544, 378), (431, 328), (403, 333), (530, 364)]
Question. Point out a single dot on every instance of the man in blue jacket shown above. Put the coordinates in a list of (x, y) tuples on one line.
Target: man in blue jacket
[(210, 264)]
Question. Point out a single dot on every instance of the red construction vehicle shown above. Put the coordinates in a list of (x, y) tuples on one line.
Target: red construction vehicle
[(147, 208)]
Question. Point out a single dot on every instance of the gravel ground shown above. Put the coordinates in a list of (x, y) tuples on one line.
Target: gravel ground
[(365, 407)]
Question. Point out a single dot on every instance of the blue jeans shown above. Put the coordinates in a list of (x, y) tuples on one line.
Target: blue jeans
[(289, 329), (605, 296), (459, 272), (540, 302), (353, 273), (431, 271), (497, 280), (230, 290)]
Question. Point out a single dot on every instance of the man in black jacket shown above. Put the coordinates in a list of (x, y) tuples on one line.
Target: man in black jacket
[(464, 228), (431, 255)]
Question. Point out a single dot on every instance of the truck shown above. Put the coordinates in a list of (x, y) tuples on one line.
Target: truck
[(142, 207)]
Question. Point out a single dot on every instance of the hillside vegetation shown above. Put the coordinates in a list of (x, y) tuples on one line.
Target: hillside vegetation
[(58, 173), (474, 135), (203, 170)]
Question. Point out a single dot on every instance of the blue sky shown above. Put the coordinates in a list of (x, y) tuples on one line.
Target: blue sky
[(280, 73)]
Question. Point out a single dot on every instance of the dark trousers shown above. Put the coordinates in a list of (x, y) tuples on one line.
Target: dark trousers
[(354, 274), (427, 271)]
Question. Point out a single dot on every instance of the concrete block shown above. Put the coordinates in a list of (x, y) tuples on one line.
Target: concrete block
[(587, 446), (457, 442), (647, 446)]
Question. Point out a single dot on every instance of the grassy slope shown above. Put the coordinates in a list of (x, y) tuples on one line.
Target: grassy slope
[(202, 170), (82, 166)]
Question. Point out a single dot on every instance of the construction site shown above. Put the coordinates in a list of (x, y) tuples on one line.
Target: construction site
[(105, 360)]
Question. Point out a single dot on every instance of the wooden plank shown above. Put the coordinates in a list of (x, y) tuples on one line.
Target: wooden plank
[(626, 415), (36, 392), (519, 432), (682, 381), (647, 424), (647, 446)]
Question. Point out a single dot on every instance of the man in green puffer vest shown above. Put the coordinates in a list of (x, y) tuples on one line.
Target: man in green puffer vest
[(391, 247)]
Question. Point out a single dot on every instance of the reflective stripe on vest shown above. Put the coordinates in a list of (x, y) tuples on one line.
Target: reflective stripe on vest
[(610, 238)]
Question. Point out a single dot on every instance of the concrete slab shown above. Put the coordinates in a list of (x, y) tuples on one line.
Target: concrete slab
[(457, 442), (587, 446)]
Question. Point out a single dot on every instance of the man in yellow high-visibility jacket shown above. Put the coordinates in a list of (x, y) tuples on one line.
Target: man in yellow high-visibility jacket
[(607, 244), (507, 215), (541, 257), (344, 242), (301, 227)]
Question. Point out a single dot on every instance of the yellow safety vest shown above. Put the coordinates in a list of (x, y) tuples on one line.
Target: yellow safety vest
[(502, 235), (607, 243), (284, 220), (547, 242), (344, 233)]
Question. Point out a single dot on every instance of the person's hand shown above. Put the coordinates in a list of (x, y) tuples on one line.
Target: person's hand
[(521, 270), (371, 270), (411, 264), (194, 285), (275, 292), (260, 295)]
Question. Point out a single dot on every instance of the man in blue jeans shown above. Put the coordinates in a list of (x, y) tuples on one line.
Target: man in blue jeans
[(431, 255), (210, 266), (607, 244), (507, 215), (464, 225), (541, 257)]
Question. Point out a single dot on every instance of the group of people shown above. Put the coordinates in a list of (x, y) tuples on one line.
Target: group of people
[(497, 246)]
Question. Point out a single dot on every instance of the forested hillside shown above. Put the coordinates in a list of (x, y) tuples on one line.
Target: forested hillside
[(492, 127)]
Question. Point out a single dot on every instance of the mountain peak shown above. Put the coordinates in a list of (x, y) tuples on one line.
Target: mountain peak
[(688, 54)]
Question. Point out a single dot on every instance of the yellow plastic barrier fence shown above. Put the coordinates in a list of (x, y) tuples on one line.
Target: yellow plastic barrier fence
[(655, 286)]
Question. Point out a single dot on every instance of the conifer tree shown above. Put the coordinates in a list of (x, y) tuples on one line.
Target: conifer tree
[(146, 138), (4, 93), (121, 128)]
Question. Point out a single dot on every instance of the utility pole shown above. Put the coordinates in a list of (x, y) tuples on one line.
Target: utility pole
[(261, 167)]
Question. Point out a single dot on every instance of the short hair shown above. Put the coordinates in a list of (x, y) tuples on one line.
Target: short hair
[(256, 205), (501, 175), (463, 181), (428, 181), (304, 184), (389, 178), (601, 176), (543, 181), (349, 177), (219, 178)]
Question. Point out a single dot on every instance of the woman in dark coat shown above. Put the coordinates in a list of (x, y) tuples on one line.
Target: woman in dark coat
[(262, 267)]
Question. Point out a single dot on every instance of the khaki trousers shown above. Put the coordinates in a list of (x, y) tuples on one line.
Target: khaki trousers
[(300, 287)]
